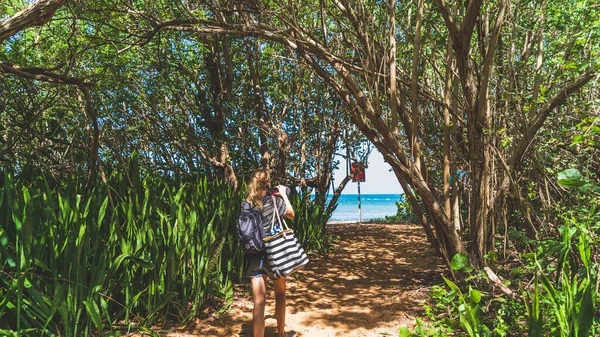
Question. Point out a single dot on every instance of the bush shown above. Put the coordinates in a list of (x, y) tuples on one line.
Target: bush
[(404, 213), (559, 285)]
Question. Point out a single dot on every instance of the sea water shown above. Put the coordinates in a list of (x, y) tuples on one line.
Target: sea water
[(372, 206)]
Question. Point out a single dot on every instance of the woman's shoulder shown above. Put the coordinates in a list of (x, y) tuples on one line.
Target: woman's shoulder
[(267, 201)]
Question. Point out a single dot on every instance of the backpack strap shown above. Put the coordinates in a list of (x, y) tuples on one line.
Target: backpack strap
[(249, 207)]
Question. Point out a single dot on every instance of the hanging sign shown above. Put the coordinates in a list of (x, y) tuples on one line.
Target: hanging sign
[(358, 172)]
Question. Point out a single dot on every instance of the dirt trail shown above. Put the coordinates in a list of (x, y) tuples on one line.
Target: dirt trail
[(372, 282)]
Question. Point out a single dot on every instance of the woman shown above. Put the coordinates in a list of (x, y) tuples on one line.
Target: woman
[(257, 266)]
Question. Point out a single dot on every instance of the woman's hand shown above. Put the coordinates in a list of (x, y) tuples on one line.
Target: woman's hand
[(280, 188)]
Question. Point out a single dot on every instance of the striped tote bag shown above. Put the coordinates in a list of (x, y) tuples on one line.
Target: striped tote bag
[(284, 252)]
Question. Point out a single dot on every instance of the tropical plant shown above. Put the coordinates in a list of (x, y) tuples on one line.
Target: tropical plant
[(137, 251), (560, 296), (567, 270), (404, 212), (310, 223)]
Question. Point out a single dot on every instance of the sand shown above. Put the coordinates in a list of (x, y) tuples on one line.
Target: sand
[(374, 281)]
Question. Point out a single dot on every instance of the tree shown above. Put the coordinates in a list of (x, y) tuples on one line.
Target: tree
[(394, 70), (347, 44)]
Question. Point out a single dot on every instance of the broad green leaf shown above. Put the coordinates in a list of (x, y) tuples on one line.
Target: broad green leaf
[(459, 261), (475, 295), (94, 313), (404, 332), (577, 139), (585, 318), (102, 211), (584, 250), (570, 178)]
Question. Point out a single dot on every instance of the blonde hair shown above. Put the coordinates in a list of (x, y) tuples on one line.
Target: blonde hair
[(257, 186)]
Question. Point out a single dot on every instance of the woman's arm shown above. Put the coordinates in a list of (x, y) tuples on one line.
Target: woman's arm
[(289, 211)]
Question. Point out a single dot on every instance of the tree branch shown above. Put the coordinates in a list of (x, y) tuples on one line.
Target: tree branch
[(44, 75), (452, 29), (496, 281), (40, 74), (542, 114), (35, 14), (468, 22)]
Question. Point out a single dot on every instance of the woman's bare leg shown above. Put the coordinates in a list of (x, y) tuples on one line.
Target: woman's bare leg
[(280, 304), (259, 294)]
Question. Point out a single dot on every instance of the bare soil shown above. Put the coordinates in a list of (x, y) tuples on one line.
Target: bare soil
[(373, 282)]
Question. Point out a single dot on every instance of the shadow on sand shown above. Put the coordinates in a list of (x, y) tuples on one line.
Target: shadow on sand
[(377, 276), (376, 273)]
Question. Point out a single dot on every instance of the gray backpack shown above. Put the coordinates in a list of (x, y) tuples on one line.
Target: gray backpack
[(251, 230)]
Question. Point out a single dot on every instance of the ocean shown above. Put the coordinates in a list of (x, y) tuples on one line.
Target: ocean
[(372, 206)]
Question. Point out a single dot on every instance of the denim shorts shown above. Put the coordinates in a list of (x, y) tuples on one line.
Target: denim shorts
[(258, 265)]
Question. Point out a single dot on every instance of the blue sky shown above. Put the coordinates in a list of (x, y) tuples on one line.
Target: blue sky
[(378, 178)]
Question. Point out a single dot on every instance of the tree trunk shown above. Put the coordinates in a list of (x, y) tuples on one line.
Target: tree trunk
[(447, 129), (257, 100)]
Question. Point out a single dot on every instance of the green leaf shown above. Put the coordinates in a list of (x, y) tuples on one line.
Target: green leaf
[(102, 211), (584, 250), (452, 286), (570, 178), (94, 312), (577, 139), (475, 295), (404, 332), (570, 65), (168, 297), (586, 311), (459, 261)]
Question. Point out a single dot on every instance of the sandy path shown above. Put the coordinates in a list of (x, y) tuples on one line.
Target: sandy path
[(373, 282)]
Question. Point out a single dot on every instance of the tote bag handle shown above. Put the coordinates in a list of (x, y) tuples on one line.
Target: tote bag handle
[(281, 221)]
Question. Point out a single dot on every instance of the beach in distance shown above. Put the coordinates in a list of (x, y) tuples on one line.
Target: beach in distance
[(372, 206)]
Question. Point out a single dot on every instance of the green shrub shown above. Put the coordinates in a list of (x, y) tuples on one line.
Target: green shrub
[(561, 277), (137, 250), (310, 222), (404, 213)]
